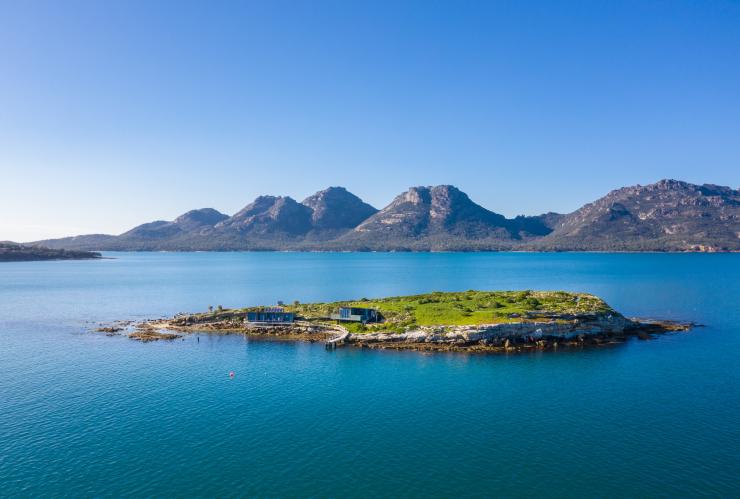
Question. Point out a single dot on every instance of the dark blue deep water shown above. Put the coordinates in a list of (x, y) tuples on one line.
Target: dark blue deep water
[(82, 414)]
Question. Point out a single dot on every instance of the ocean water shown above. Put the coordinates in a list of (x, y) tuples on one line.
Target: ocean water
[(82, 414)]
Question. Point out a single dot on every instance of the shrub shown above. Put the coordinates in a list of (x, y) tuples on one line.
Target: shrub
[(532, 302)]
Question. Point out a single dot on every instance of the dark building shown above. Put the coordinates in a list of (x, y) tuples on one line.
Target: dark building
[(356, 314), (274, 315)]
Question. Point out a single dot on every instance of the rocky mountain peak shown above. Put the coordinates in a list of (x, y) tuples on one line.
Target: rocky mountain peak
[(667, 213), (261, 204), (337, 208), (415, 196), (200, 218), (446, 200), (438, 198), (668, 184), (436, 212), (270, 214)]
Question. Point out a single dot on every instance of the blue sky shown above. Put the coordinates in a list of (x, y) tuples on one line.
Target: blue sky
[(117, 113)]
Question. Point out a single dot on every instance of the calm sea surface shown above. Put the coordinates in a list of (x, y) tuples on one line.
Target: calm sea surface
[(82, 414)]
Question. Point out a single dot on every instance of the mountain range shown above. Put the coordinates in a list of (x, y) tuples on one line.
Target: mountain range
[(668, 215)]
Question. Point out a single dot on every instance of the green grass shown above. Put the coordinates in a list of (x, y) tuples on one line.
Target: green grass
[(458, 308), (446, 309)]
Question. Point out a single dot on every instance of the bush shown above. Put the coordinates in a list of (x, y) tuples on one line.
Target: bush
[(533, 303)]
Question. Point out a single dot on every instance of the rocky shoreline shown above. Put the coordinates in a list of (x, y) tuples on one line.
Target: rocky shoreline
[(554, 332), (519, 336)]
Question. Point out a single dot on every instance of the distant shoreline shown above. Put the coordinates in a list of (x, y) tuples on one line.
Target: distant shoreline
[(532, 252), (11, 252)]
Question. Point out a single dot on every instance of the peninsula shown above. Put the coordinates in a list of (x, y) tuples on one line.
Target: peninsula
[(12, 252), (496, 321)]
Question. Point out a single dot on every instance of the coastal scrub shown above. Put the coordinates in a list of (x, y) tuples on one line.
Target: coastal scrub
[(460, 308)]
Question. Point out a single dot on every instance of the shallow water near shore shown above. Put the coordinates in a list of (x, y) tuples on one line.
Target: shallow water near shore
[(89, 415)]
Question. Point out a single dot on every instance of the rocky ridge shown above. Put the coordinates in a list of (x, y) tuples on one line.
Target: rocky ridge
[(668, 215)]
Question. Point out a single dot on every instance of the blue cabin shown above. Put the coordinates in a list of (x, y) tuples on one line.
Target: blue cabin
[(356, 314), (274, 315)]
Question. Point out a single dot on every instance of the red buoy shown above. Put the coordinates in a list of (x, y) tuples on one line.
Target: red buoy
[(231, 374)]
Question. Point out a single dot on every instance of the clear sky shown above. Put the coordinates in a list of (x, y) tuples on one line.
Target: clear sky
[(117, 113)]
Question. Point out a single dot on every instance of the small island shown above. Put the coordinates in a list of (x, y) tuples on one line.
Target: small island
[(12, 252), (473, 321)]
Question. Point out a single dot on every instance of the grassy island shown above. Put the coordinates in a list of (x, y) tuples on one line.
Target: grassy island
[(461, 321)]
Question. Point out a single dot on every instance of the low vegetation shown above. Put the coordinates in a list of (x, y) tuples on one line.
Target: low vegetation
[(11, 252), (449, 308), (400, 313)]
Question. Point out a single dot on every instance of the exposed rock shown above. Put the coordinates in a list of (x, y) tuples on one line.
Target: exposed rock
[(583, 329), (433, 212), (110, 329), (668, 215), (336, 208), (270, 215), (588, 325), (149, 334)]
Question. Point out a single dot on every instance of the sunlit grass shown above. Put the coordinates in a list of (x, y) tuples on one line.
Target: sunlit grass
[(459, 308)]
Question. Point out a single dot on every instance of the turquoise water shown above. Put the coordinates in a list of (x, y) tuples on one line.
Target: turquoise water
[(83, 414)]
